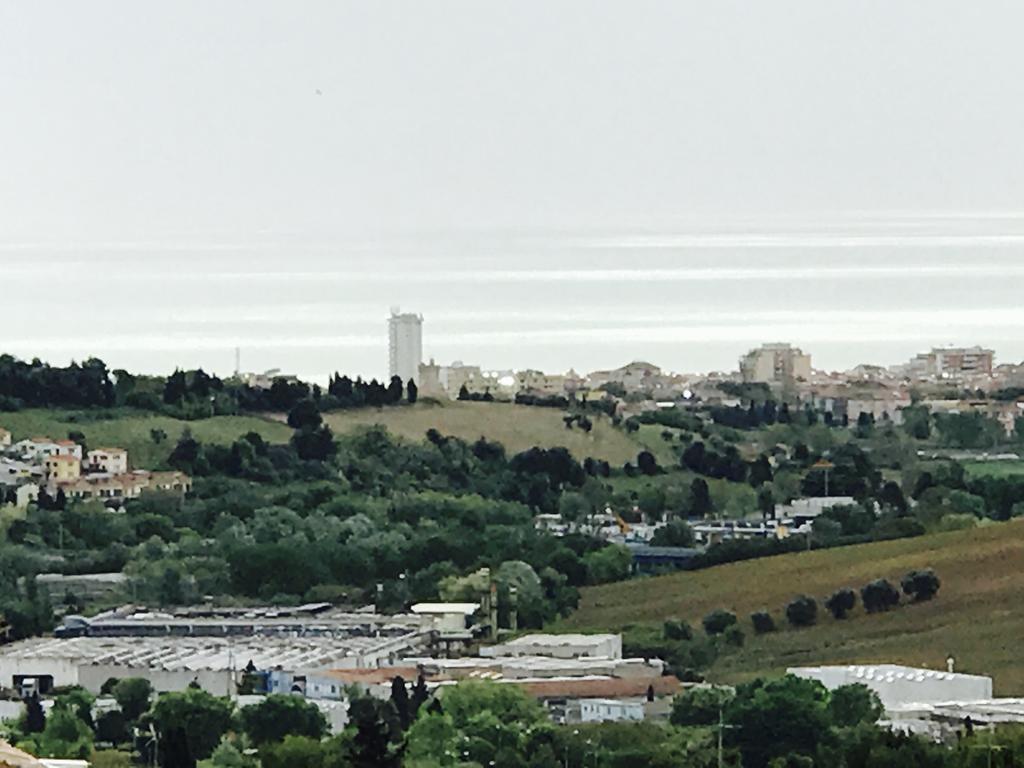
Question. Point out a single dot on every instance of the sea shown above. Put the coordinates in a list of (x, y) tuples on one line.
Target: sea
[(690, 298)]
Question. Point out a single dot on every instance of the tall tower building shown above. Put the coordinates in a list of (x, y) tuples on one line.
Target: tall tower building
[(405, 345)]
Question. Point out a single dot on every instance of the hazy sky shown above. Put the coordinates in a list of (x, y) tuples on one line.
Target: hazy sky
[(150, 150)]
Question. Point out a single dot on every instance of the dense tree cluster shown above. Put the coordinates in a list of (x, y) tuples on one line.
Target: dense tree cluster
[(40, 385)]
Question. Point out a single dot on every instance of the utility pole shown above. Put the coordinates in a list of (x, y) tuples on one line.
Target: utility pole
[(722, 728)]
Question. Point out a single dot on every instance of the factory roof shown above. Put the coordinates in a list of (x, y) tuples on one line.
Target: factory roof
[(210, 653)]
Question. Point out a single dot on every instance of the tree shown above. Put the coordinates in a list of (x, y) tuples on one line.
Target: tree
[(802, 611), (314, 444), (891, 496), (647, 464), (400, 700), (292, 752), (35, 716), (700, 498), (850, 705), (419, 697), (412, 392), (920, 585), (608, 564), (190, 725), (112, 727), (762, 622), (377, 739), (841, 602), (394, 391), (280, 715), (132, 695), (716, 622), (760, 471), (305, 415), (777, 718), (879, 595), (65, 735), (699, 706), (676, 533)]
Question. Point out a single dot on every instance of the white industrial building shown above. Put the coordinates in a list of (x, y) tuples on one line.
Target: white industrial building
[(568, 646), (898, 686), (172, 663)]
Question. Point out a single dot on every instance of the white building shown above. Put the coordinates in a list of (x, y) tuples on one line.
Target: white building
[(898, 686), (605, 710), (811, 507), (568, 646), (448, 617), (405, 345), (112, 461)]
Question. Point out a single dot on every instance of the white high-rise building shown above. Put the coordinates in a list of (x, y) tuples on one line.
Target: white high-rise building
[(405, 345)]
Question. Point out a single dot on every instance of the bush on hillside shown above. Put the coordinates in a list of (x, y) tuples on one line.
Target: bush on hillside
[(841, 602), (763, 622), (677, 629), (920, 585), (734, 636), (716, 622), (802, 611), (880, 595)]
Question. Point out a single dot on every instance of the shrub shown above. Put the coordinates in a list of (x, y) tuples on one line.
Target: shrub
[(921, 585), (880, 595), (763, 622), (802, 611), (734, 636), (676, 629), (841, 602), (716, 622)]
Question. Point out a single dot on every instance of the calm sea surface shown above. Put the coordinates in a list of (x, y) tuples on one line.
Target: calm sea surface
[(859, 290)]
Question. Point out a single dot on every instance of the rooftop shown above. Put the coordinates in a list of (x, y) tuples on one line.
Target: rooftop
[(207, 653)]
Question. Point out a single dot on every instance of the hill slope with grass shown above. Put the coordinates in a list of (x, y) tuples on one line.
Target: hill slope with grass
[(133, 430), (517, 427), (976, 617)]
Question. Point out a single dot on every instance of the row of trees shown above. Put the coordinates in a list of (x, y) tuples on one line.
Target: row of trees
[(877, 596)]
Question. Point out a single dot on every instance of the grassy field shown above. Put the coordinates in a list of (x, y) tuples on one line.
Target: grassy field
[(994, 468), (517, 427), (976, 616), (132, 431)]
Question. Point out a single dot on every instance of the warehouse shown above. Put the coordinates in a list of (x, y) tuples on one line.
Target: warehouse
[(173, 663)]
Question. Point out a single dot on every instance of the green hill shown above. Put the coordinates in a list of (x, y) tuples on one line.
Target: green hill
[(517, 427), (976, 616), (133, 430)]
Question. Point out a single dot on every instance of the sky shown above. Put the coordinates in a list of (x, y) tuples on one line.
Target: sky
[(551, 184)]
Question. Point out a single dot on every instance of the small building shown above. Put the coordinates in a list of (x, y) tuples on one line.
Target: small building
[(605, 710), (448, 617), (112, 461), (61, 468)]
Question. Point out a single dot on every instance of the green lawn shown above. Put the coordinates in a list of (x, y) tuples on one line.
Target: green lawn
[(976, 616), (994, 468), (517, 427), (132, 430)]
